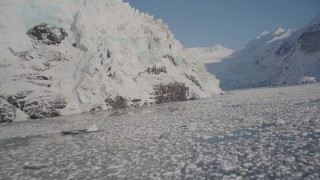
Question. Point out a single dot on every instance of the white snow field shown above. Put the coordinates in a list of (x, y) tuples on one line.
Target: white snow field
[(207, 55), (264, 133)]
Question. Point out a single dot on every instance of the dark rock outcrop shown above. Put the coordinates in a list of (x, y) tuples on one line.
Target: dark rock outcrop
[(156, 71), (165, 93), (47, 34), (18, 100), (283, 49), (7, 112), (194, 80), (24, 55), (45, 106), (171, 59), (309, 41), (117, 103), (136, 100)]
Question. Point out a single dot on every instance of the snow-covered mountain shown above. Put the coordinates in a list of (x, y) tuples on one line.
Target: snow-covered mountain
[(282, 57), (65, 57), (211, 54)]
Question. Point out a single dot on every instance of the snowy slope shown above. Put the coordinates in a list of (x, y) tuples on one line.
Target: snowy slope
[(282, 57), (65, 57), (211, 54)]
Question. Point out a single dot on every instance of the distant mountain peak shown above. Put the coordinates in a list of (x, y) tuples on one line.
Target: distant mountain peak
[(264, 33), (316, 20), (279, 31)]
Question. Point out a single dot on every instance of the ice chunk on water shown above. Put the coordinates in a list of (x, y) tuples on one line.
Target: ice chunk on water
[(280, 122), (226, 166), (93, 128)]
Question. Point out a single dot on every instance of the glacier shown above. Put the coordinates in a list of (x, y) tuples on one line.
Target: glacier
[(207, 55), (68, 57)]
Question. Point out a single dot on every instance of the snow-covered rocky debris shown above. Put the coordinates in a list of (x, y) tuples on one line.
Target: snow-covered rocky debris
[(282, 57), (7, 112), (67, 57)]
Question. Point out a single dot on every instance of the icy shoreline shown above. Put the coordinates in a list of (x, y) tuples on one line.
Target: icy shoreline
[(255, 133)]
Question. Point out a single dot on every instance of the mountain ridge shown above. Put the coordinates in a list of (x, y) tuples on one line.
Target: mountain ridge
[(281, 57)]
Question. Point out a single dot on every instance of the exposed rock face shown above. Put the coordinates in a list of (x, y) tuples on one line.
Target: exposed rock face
[(7, 112), (171, 59), (117, 103), (154, 70), (171, 92), (283, 49), (302, 64), (194, 80), (47, 34), (18, 100), (36, 107), (45, 106), (309, 41)]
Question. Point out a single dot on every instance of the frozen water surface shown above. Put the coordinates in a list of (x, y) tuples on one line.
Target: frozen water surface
[(251, 134)]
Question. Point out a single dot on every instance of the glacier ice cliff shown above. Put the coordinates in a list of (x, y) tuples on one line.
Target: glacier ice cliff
[(66, 57)]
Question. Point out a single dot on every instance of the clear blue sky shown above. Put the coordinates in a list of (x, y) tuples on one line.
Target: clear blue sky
[(231, 23)]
